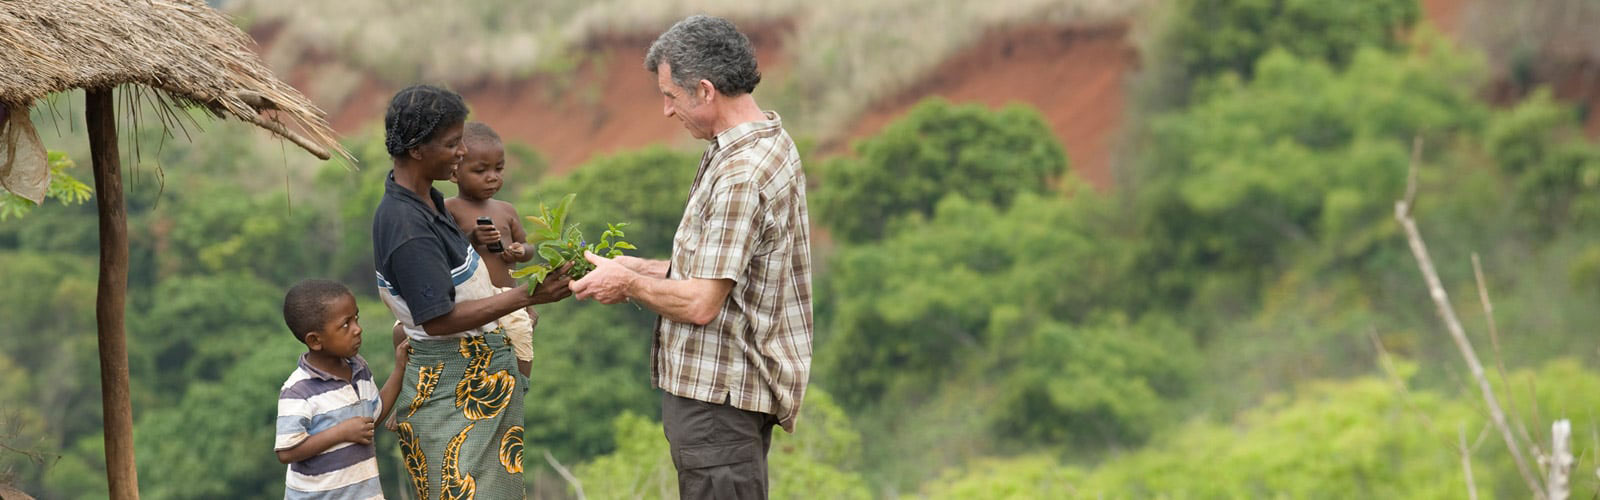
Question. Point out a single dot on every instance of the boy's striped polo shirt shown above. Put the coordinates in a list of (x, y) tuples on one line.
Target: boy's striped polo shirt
[(314, 401)]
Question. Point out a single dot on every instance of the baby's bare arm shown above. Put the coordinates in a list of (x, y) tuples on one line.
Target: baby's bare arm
[(518, 234)]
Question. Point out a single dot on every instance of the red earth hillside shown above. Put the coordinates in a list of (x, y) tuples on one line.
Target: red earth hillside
[(1074, 75), (609, 103)]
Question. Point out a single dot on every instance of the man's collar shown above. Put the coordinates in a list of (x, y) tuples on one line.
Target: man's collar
[(733, 133)]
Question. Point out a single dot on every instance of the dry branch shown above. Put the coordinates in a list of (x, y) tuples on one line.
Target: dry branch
[(1447, 313)]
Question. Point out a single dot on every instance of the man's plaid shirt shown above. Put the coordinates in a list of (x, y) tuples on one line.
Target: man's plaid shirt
[(746, 221)]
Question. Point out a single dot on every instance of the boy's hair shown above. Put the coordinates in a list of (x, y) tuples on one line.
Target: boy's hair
[(480, 133), (417, 114), (305, 307)]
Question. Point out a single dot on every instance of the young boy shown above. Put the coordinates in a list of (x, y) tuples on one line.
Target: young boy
[(327, 407), (479, 177)]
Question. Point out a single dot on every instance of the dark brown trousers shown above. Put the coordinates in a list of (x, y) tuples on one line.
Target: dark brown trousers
[(720, 451)]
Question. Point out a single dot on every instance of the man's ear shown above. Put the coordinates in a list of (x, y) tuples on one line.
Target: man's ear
[(706, 90), (314, 341)]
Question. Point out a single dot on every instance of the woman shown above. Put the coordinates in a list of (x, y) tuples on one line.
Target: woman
[(459, 413)]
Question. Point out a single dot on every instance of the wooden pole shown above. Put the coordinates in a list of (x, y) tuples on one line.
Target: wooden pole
[(121, 475)]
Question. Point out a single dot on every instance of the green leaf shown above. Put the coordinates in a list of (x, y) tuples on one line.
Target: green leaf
[(559, 214), (624, 245), (529, 270), (538, 221), (550, 254)]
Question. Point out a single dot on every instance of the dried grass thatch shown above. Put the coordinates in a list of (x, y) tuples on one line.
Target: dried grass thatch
[(185, 49)]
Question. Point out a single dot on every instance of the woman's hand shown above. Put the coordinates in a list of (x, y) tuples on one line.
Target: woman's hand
[(553, 288)]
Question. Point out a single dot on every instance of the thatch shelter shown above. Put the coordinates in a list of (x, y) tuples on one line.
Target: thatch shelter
[(172, 52)]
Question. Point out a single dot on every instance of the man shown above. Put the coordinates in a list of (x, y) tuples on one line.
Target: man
[(732, 349)]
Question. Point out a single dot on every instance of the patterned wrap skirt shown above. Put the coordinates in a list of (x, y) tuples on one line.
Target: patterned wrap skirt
[(459, 418)]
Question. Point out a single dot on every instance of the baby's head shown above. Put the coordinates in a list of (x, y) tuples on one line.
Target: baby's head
[(323, 315), (482, 172)]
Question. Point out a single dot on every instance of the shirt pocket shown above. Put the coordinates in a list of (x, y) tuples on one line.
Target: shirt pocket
[(686, 242)]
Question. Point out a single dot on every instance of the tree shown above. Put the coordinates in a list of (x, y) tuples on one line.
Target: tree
[(1106, 383), (1197, 40), (1302, 156), (198, 330), (1555, 172), (920, 306), (938, 148), (216, 441)]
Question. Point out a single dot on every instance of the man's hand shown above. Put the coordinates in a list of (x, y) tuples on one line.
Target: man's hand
[(485, 234), (354, 429), (607, 283)]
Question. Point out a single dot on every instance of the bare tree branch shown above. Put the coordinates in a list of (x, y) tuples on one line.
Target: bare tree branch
[(1441, 301), (1494, 340), (1466, 461), (565, 474)]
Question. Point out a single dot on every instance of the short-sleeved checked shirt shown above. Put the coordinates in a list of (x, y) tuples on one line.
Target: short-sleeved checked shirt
[(746, 221)]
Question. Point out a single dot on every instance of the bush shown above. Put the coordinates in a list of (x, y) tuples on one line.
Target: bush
[(937, 149)]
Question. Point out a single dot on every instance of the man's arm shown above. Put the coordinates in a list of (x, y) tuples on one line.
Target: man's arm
[(354, 429), (648, 267), (696, 301), (726, 242)]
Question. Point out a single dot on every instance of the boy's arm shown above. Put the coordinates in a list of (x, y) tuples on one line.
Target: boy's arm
[(354, 429), (391, 387)]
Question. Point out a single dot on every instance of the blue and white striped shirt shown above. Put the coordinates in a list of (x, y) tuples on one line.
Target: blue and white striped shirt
[(314, 401)]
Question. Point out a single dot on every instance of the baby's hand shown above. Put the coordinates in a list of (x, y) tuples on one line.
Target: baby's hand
[(354, 429), (514, 253), (485, 234)]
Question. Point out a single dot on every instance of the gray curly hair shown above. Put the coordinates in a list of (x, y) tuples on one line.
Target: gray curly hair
[(706, 48)]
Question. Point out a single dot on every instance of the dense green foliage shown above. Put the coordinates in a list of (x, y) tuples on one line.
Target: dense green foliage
[(63, 188), (938, 148), (986, 327), (1197, 40), (818, 463)]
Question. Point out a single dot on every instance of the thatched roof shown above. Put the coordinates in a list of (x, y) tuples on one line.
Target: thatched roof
[(184, 48)]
